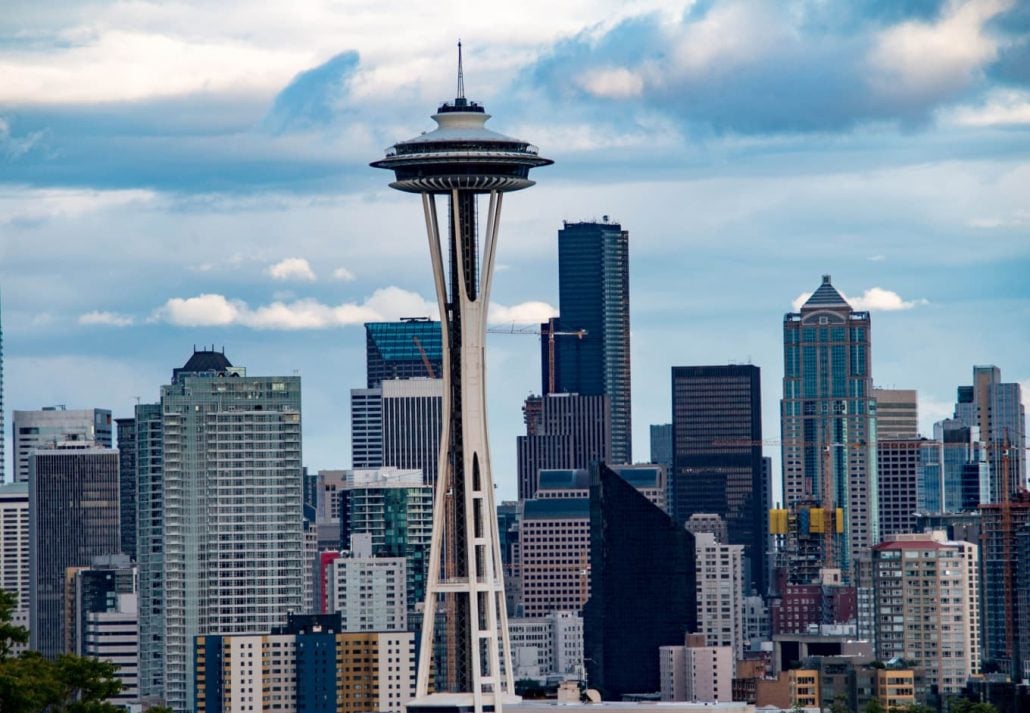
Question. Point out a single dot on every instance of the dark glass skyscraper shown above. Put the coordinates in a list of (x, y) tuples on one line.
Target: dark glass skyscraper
[(717, 454), (127, 483), (642, 582), (593, 295)]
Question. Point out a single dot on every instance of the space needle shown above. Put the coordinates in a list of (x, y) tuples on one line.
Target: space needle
[(463, 160)]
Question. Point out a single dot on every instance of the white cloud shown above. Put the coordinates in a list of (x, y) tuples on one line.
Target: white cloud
[(612, 83), (1001, 108), (110, 319), (292, 268), (931, 59), (208, 310), (875, 299), (523, 313), (343, 274)]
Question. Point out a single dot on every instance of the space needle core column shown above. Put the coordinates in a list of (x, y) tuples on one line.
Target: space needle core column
[(462, 160)]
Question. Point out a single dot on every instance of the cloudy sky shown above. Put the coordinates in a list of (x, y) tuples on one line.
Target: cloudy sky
[(181, 173)]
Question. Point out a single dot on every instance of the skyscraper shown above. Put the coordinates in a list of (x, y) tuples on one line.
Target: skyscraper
[(73, 517), (717, 455), (593, 295), (127, 483), (223, 507), (407, 349), (55, 424), (997, 410), (828, 418), (562, 431), (462, 159)]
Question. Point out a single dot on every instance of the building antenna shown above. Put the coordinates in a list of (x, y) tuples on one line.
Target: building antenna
[(461, 74)]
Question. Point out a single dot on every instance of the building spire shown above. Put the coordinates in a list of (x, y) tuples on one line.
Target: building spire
[(461, 75)]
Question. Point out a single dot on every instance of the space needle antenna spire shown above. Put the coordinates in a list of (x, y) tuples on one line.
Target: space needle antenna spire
[(451, 168), (461, 75)]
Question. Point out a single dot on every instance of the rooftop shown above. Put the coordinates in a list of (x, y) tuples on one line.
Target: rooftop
[(826, 296)]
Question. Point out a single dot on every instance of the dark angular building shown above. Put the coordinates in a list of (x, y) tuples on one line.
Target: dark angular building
[(642, 588), (127, 483), (717, 455), (593, 295), (400, 350)]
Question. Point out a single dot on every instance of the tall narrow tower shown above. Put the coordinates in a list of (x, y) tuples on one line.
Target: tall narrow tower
[(461, 159)]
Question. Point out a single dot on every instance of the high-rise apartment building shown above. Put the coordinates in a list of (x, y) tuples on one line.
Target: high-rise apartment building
[(562, 431), (126, 429), (310, 665), (997, 410), (717, 455), (56, 424), (220, 515), (14, 548), (719, 580), (408, 349), (897, 413), (642, 582), (927, 607), (73, 517), (593, 295), (828, 418)]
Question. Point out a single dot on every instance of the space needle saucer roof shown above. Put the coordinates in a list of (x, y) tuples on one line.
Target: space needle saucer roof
[(461, 153)]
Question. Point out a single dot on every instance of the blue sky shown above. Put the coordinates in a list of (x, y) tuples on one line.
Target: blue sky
[(189, 173)]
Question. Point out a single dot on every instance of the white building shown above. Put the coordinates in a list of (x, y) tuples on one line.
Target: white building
[(547, 646), (14, 549), (720, 596), (114, 636), (368, 592), (756, 622), (696, 672)]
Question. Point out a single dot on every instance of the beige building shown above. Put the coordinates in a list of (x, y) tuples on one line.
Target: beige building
[(263, 673), (720, 596), (897, 413), (926, 606), (696, 672), (795, 688), (896, 688)]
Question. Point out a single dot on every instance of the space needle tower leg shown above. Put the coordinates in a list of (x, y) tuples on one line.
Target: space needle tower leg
[(464, 161)]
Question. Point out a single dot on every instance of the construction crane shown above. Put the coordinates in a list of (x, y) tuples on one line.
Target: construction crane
[(425, 357), (551, 332), (828, 509)]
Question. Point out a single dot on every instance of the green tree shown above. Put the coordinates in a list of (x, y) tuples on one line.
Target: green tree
[(840, 704), (30, 683), (872, 706), (918, 708)]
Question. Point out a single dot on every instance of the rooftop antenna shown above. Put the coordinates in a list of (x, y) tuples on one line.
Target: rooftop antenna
[(461, 75)]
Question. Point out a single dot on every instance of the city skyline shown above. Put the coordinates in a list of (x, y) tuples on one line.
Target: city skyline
[(734, 210)]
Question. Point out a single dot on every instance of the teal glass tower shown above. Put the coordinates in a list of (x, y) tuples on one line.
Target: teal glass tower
[(828, 420)]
